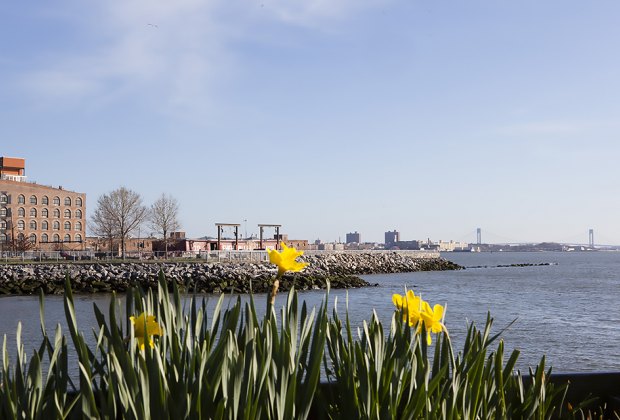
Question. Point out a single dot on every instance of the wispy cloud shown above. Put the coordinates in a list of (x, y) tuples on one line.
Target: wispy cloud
[(169, 53), (550, 128)]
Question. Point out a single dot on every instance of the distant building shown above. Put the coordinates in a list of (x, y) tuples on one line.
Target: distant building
[(452, 246), (38, 217), (391, 238), (409, 245), (354, 238)]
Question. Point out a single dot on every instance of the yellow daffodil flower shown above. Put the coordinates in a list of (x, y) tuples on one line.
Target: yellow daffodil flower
[(145, 327), (432, 320), (417, 312), (410, 305), (286, 259)]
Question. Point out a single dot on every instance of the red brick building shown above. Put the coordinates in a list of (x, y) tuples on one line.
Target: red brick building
[(34, 216)]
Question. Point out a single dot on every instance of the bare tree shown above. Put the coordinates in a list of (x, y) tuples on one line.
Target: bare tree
[(164, 217), (118, 214), (102, 224)]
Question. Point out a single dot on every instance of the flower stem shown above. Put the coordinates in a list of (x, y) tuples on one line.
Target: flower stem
[(274, 290)]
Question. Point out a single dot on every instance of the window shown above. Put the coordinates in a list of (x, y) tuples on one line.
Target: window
[(56, 225), (2, 237), (67, 214), (2, 224), (78, 226), (45, 225), (33, 238), (56, 237), (45, 200), (4, 198), (33, 200), (21, 225), (56, 213), (57, 201), (21, 199), (21, 212), (33, 212), (67, 238), (78, 214), (78, 238), (78, 202), (67, 201), (33, 225), (21, 237), (67, 225), (45, 238), (45, 213), (2, 211)]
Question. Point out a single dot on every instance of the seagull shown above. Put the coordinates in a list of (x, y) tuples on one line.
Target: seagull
[(153, 25)]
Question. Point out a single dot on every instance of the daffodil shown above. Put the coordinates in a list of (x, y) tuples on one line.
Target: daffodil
[(416, 312), (144, 328), (432, 320), (286, 259), (410, 305)]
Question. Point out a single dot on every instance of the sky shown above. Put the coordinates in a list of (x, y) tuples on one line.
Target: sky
[(429, 117)]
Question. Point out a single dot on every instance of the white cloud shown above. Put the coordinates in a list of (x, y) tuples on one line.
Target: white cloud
[(168, 53)]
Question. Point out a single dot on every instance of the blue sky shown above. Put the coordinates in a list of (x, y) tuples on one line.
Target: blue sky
[(326, 116)]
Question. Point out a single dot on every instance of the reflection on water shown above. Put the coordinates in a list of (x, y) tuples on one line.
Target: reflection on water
[(568, 310)]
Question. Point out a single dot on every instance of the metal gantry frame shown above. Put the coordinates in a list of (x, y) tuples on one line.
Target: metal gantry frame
[(220, 229), (261, 227)]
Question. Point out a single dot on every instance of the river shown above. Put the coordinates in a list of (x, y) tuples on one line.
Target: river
[(568, 310)]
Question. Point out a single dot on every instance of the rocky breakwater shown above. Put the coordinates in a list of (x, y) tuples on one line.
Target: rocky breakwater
[(340, 269)]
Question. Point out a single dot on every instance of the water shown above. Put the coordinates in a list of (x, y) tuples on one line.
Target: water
[(568, 311)]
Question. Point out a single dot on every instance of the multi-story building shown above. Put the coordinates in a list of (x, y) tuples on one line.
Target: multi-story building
[(34, 216), (391, 238), (354, 238)]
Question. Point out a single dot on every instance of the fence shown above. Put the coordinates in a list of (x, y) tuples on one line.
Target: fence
[(204, 256)]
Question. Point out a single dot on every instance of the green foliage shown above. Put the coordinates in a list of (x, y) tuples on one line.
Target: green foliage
[(235, 365)]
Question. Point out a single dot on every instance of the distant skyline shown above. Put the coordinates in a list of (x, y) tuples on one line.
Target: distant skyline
[(328, 117)]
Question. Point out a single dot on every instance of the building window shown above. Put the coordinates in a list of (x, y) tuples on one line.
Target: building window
[(78, 238), (78, 202), (2, 211), (21, 212), (33, 212), (45, 225), (67, 225), (44, 238), (78, 214), (33, 200), (78, 226), (21, 225), (67, 238), (21, 199), (4, 198), (67, 214), (67, 201), (56, 237), (33, 225), (56, 225), (45, 201), (57, 201), (21, 237), (2, 237), (45, 213), (33, 238), (57, 213), (2, 224)]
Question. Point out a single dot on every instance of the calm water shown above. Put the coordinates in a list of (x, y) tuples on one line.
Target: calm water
[(568, 311)]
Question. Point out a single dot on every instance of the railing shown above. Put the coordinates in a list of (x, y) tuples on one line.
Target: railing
[(203, 256)]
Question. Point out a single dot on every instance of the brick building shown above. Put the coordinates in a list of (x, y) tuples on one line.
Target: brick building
[(34, 216)]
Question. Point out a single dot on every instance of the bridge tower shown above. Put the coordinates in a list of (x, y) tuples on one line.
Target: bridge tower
[(478, 236), (591, 238)]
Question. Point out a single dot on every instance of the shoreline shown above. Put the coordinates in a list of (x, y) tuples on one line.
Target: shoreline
[(340, 269)]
